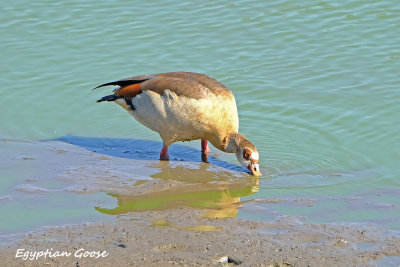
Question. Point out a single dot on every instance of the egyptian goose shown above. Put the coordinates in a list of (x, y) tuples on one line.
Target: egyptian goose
[(185, 106)]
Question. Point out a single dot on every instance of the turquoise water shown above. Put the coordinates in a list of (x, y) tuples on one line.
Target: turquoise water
[(316, 84)]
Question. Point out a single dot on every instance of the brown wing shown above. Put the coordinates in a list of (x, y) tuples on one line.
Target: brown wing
[(212, 84), (189, 84), (180, 87)]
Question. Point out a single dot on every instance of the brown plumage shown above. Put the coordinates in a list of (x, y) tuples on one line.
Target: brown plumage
[(184, 106)]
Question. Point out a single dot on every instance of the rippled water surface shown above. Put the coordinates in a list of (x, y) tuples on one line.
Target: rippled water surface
[(316, 83)]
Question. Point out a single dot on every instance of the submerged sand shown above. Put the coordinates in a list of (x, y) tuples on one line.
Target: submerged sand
[(169, 213)]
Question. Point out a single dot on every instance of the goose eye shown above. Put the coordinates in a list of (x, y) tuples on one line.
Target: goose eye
[(246, 154)]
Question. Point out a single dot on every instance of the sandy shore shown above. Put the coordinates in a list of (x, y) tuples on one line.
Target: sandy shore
[(182, 237), (168, 213)]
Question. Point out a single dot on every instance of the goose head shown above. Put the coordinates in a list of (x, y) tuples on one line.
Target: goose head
[(249, 158), (246, 153)]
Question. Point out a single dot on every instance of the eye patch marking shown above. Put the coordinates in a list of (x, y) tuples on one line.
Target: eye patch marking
[(246, 153)]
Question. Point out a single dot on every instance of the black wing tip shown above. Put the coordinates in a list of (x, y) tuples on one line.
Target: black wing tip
[(126, 82), (108, 98), (106, 84)]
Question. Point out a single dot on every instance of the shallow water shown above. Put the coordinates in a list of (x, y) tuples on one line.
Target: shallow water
[(316, 85)]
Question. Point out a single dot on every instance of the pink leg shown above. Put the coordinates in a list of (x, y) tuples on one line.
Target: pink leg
[(205, 150), (164, 153), (204, 146)]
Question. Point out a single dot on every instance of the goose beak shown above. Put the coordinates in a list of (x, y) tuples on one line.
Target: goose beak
[(255, 169)]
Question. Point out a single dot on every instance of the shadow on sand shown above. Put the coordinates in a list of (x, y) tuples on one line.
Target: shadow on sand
[(142, 150)]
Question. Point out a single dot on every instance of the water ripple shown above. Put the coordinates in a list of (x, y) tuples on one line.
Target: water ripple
[(316, 83)]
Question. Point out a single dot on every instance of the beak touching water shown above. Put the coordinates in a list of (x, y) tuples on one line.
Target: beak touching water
[(254, 168)]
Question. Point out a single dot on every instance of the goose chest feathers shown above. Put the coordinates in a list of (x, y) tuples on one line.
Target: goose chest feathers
[(185, 106)]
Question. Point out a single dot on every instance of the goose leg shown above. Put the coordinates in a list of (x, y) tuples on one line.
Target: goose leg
[(164, 153), (205, 151)]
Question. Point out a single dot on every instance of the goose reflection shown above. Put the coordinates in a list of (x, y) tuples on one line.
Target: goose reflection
[(196, 185)]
